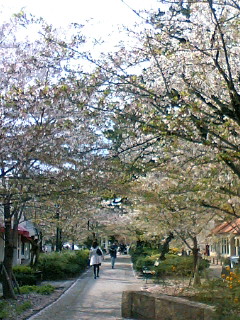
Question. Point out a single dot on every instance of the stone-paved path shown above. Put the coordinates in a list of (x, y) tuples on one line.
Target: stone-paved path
[(90, 299)]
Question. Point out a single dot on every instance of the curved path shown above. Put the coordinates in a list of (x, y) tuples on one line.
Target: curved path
[(94, 299)]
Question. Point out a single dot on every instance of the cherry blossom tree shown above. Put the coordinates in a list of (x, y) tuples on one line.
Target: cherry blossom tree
[(175, 85), (170, 201), (50, 144), (180, 81)]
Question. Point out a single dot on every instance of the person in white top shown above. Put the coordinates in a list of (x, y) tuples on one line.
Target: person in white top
[(96, 257)]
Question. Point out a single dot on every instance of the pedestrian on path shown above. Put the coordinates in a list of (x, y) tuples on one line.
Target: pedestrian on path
[(113, 253), (96, 257)]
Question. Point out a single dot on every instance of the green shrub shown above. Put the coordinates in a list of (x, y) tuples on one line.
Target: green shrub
[(223, 294), (25, 275), (26, 289), (82, 256), (174, 265), (26, 279), (23, 307), (51, 265), (47, 289), (60, 265), (141, 252), (3, 310), (142, 262), (22, 269), (179, 266)]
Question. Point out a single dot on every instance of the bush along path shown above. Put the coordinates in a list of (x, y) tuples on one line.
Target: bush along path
[(55, 273), (173, 276)]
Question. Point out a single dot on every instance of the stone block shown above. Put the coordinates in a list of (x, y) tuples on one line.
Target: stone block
[(127, 304), (143, 306), (148, 306)]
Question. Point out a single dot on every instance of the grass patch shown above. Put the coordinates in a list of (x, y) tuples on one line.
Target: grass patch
[(46, 289), (10, 309), (3, 309), (23, 307)]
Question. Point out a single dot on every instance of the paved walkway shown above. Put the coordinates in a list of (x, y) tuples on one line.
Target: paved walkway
[(90, 299), (215, 271)]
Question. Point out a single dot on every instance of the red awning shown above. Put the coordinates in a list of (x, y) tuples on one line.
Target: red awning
[(21, 230)]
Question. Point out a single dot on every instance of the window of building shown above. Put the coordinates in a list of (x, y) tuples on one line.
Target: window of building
[(225, 246), (213, 248), (23, 248)]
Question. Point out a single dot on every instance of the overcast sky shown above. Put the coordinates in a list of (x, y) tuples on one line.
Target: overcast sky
[(59, 12), (104, 16), (101, 18)]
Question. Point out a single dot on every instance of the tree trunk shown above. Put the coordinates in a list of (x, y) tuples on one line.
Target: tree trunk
[(7, 284), (195, 250), (35, 250), (165, 247)]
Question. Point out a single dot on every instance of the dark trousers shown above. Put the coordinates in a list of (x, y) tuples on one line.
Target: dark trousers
[(96, 270), (113, 259)]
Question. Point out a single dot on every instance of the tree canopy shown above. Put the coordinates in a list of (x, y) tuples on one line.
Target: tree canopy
[(178, 84), (77, 130)]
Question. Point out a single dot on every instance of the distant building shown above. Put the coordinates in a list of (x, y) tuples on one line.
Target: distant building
[(27, 232), (224, 239)]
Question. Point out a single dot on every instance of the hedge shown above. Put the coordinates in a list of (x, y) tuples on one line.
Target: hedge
[(61, 265)]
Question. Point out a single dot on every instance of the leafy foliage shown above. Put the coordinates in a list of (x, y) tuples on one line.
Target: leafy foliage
[(57, 265), (22, 307), (174, 265), (50, 143), (222, 293), (43, 289), (177, 94), (8, 309), (26, 275), (3, 309), (23, 269), (168, 105)]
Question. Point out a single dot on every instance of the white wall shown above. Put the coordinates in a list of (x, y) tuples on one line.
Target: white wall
[(25, 250), (17, 252)]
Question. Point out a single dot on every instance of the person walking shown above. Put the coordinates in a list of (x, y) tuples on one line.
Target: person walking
[(96, 257), (113, 253)]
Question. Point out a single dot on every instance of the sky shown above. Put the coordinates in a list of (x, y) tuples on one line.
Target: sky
[(105, 15), (101, 18)]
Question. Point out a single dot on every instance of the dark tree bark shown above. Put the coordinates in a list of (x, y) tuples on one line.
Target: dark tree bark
[(195, 251), (165, 247), (35, 250), (7, 283)]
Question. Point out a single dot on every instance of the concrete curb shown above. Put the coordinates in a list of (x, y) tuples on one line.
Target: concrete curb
[(67, 288)]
